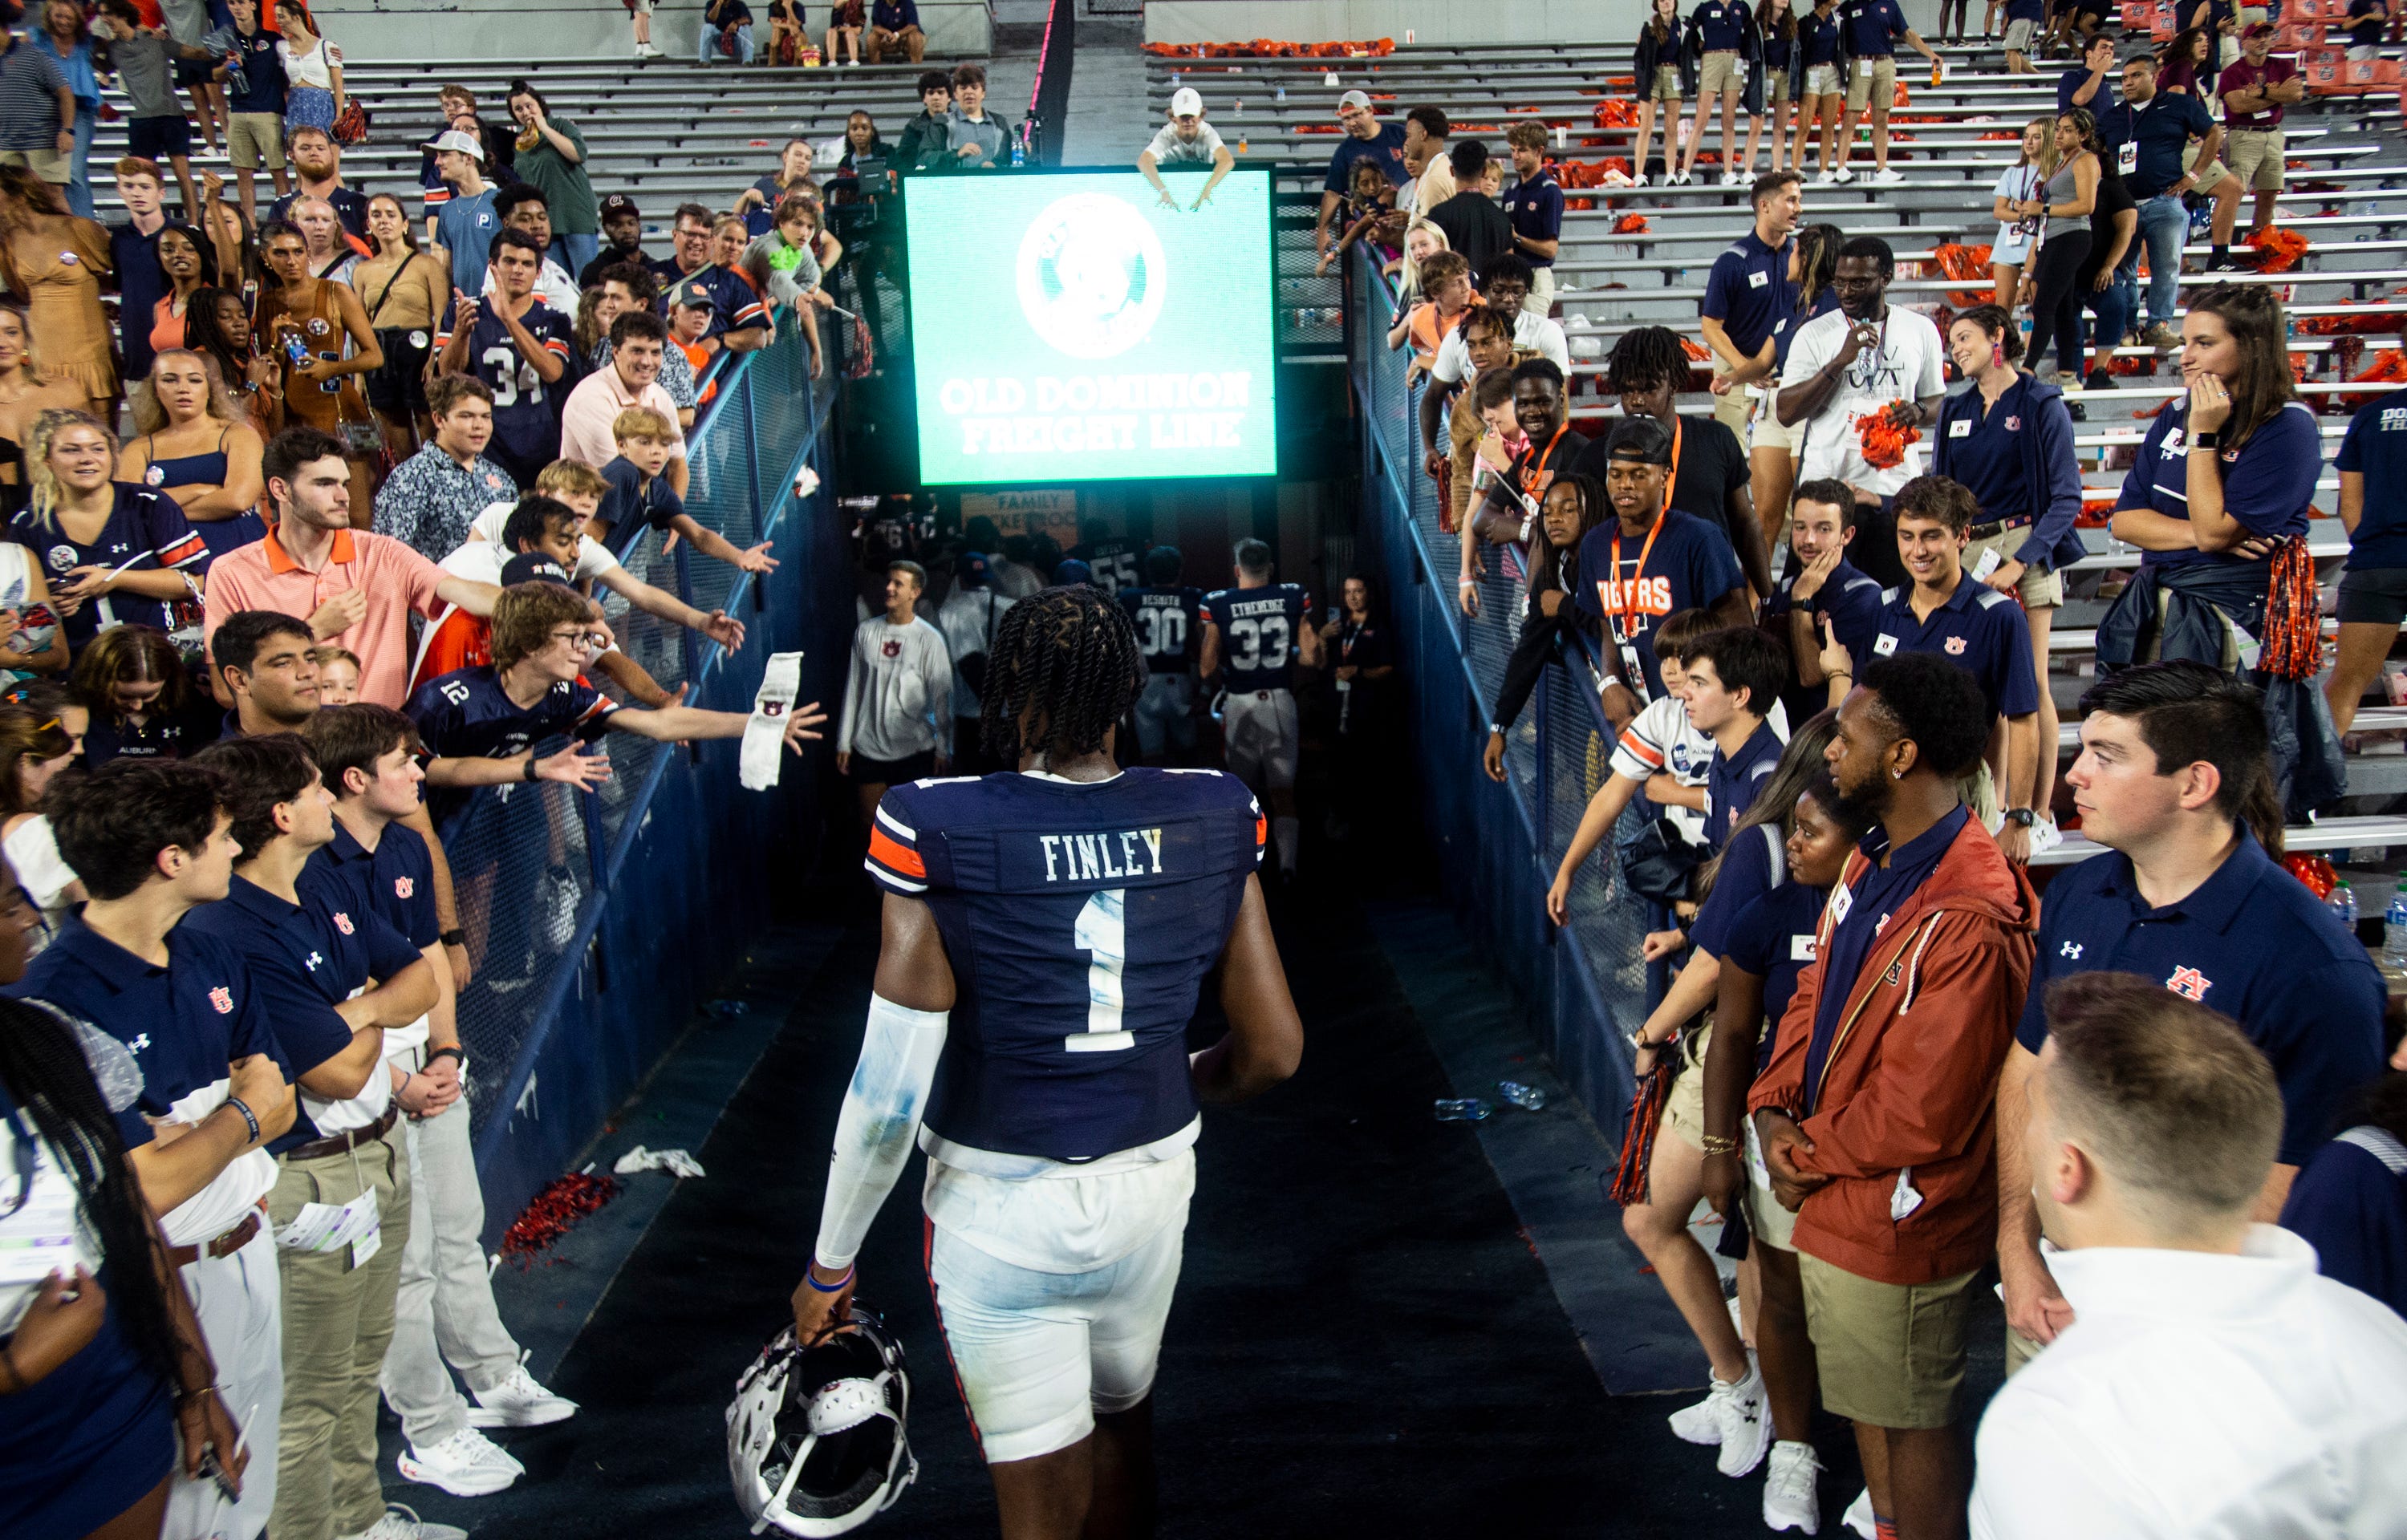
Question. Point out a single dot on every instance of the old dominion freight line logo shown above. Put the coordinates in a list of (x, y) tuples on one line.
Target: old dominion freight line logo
[(1091, 275)]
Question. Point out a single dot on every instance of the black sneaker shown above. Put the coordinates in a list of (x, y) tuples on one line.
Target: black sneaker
[(2224, 263), (2098, 379)]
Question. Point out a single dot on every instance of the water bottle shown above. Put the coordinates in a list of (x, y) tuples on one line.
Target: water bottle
[(2343, 904), (1528, 1098), (1469, 1110), (2394, 930), (1019, 152)]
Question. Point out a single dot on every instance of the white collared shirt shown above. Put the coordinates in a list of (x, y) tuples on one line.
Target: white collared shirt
[(2202, 1395)]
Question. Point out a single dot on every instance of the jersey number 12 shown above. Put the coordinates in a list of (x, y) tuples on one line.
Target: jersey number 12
[(1100, 931)]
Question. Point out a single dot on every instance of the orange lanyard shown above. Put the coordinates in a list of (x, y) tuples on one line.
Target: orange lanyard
[(1537, 466), (1671, 483), (1627, 611)]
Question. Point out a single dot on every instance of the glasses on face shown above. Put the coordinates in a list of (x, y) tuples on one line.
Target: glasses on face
[(582, 641)]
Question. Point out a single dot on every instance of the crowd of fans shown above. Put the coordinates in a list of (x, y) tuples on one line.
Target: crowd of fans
[(1820, 617)]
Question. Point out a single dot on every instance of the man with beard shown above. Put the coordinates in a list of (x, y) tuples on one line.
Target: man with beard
[(1509, 514), (1875, 1114)]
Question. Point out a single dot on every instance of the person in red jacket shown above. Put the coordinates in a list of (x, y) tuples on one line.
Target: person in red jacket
[(1875, 1114)]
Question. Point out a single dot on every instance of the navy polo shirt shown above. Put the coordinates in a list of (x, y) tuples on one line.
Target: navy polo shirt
[(185, 1023), (141, 283), (1731, 780), (1721, 25), (1772, 938), (2353, 1210), (1979, 630), (2098, 104), (1748, 871), (2376, 450), (390, 881), (1986, 451), (2252, 941), (1819, 38), (1852, 602), (2269, 483), (1535, 204), (1386, 150), (304, 959), (2163, 128), (1880, 892), (113, 737), (1871, 27), (1690, 567), (2026, 10), (1748, 291)]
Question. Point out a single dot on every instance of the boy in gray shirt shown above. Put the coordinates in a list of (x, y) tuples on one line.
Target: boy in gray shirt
[(898, 697), (144, 60), (972, 138)]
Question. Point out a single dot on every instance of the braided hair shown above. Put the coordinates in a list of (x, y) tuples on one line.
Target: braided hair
[(1645, 359), (43, 1066), (1063, 669)]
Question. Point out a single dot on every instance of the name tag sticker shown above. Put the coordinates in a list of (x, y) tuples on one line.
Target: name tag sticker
[(1991, 559), (1863, 69), (1886, 645), (1757, 280), (1960, 429), (1839, 905), (2127, 158), (1800, 948)]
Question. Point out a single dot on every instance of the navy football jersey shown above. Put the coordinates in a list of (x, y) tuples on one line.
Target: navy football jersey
[(1081, 920), (1169, 625), (1259, 630), (1113, 562), (526, 411), (465, 716)]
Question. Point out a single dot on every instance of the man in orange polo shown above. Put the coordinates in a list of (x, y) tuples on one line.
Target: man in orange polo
[(354, 588)]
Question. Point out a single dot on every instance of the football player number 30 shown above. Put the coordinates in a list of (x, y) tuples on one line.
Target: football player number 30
[(1102, 932)]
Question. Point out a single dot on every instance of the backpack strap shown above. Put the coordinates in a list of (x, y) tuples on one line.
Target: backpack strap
[(2381, 1144)]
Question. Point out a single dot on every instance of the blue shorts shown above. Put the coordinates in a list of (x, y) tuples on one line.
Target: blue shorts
[(158, 138)]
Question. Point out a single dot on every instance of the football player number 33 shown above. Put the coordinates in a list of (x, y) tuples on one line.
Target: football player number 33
[(1100, 931), (1259, 643)]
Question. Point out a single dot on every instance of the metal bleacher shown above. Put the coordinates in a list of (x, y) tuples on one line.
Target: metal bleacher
[(2348, 197)]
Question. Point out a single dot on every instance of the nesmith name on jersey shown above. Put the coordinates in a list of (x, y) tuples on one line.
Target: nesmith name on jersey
[(1083, 857)]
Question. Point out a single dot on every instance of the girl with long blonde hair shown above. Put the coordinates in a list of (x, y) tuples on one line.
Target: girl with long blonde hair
[(2018, 185), (197, 445), (26, 393), (80, 520)]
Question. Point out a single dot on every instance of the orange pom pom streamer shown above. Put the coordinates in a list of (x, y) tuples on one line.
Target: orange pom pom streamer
[(2294, 638), (2279, 249), (1630, 224), (1886, 434), (1969, 265)]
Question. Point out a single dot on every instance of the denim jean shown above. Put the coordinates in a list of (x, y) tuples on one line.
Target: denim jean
[(2164, 226), (80, 164), (708, 52), (2116, 305), (572, 252)]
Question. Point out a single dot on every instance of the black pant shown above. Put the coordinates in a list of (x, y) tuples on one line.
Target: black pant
[(2055, 303)]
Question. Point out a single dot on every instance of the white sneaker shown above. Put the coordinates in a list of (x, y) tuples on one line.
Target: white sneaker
[(646, 50), (2045, 836), (1732, 179), (1859, 1516), (466, 1464), (519, 1402), (1845, 175), (403, 1523), (1888, 176), (1640, 181), (1746, 1424), (1701, 1424), (1790, 1501), (1825, 178)]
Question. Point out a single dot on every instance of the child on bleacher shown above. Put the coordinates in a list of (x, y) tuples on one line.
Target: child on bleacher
[(1446, 279), (640, 495), (1367, 213)]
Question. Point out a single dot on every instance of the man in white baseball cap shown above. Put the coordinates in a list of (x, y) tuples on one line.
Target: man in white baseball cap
[(1187, 139), (1366, 139)]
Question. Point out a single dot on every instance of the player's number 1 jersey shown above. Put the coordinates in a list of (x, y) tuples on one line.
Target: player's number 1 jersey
[(1080, 920)]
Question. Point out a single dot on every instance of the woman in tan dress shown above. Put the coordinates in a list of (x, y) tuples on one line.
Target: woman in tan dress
[(54, 262), (305, 314), (26, 393), (403, 290)]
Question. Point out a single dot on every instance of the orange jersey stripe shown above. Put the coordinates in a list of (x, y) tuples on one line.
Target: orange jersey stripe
[(886, 853)]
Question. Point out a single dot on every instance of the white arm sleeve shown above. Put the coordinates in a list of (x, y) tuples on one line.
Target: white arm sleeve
[(880, 1119)]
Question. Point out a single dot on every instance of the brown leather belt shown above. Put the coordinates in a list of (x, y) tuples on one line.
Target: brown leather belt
[(1982, 531), (342, 1144), (225, 1246)]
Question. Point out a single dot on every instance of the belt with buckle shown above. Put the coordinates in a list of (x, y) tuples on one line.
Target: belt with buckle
[(1984, 532), (225, 1244), (344, 1143)]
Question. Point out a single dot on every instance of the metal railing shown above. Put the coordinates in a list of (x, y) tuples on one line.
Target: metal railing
[(595, 918), (1499, 845)]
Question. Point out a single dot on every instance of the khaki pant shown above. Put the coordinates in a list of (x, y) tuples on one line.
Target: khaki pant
[(1666, 87), (1824, 80), (256, 140), (2038, 590), (2255, 156), (337, 1324), (1770, 1223), (444, 1312), (51, 165), (1872, 83), (1890, 1354), (1724, 73)]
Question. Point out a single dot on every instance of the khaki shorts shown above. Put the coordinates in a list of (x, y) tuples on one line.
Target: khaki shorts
[(1769, 433), (256, 140), (2020, 1350), (1890, 1354), (1724, 71), (2038, 590), (1824, 80), (2209, 176), (1666, 87), (1539, 301), (1768, 1223), (50, 165), (2255, 156), (2018, 37), (1731, 409), (1775, 88), (1872, 83), (1978, 792), (1683, 1110)]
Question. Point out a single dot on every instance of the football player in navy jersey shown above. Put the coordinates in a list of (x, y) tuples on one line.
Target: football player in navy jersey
[(1254, 635), (1048, 1076), (520, 347), (481, 724), (1112, 558), (1169, 619)]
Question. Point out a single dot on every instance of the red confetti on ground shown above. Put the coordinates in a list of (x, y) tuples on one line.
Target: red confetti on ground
[(554, 1212)]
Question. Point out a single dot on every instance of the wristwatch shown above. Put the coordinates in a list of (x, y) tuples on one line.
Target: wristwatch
[(2210, 439), (2024, 816), (456, 936)]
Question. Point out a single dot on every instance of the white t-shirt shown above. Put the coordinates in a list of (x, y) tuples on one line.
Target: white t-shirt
[(33, 852), (1168, 148), (2017, 184), (593, 558), (1908, 364), (1529, 330)]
